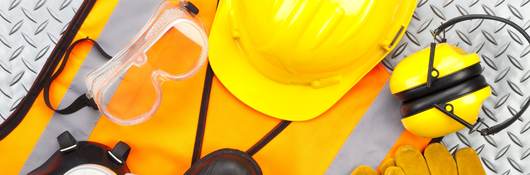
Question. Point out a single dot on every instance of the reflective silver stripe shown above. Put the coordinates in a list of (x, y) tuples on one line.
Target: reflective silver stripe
[(127, 19), (114, 157), (68, 148), (373, 136)]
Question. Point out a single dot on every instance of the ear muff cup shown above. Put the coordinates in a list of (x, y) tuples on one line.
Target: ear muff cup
[(443, 96), (445, 109), (441, 83), (422, 118)]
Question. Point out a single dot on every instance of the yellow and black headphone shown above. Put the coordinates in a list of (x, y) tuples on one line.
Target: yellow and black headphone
[(444, 93)]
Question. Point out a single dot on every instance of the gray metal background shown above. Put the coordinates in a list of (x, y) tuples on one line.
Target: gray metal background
[(29, 30), (506, 67)]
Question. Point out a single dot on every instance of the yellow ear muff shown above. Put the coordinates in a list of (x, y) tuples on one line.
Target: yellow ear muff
[(458, 89), (444, 93)]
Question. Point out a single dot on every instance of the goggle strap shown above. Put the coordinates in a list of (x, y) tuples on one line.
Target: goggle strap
[(82, 100)]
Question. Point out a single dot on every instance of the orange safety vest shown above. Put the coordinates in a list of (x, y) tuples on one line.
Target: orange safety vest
[(164, 144)]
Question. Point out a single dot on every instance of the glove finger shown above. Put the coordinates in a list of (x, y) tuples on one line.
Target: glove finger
[(394, 170), (468, 162), (386, 164), (411, 161), (364, 170), (439, 160)]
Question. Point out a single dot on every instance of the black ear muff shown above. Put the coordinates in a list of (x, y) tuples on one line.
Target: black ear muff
[(443, 96)]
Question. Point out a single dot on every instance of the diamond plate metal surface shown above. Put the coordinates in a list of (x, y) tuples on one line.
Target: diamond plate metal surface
[(504, 55), (29, 30)]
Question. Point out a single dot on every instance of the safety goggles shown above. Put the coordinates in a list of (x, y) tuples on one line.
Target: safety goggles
[(173, 46), (128, 88)]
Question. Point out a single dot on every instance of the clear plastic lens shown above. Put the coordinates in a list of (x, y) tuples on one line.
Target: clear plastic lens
[(132, 94), (174, 54)]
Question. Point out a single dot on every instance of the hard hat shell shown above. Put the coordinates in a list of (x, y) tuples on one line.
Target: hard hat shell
[(294, 59)]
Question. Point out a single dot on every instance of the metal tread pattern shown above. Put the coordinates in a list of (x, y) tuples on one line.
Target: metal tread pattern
[(504, 54), (29, 30)]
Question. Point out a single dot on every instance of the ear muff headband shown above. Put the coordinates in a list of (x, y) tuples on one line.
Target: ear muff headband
[(493, 129)]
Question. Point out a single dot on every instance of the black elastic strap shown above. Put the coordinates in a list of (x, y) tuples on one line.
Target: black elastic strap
[(201, 125), (82, 100), (79, 103), (499, 127), (267, 138)]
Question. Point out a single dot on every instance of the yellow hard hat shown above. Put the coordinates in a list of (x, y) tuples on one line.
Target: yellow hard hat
[(294, 59)]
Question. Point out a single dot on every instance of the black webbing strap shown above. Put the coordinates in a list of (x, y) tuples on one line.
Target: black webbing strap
[(82, 100), (267, 138), (79, 103), (201, 126)]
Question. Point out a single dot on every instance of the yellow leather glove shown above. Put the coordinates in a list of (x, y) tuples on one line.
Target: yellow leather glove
[(436, 160)]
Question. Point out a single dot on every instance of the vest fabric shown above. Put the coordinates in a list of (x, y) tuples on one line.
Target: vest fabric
[(362, 128)]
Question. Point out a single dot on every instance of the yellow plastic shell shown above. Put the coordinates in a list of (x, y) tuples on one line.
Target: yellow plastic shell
[(411, 72), (434, 123), (294, 59)]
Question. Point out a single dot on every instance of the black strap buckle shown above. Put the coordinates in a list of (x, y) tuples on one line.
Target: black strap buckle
[(66, 141), (120, 152)]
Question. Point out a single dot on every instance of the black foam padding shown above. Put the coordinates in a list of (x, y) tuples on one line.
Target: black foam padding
[(442, 97), (440, 83)]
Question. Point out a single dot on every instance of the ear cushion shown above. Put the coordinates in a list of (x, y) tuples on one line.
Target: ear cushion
[(225, 162), (440, 83), (415, 106)]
